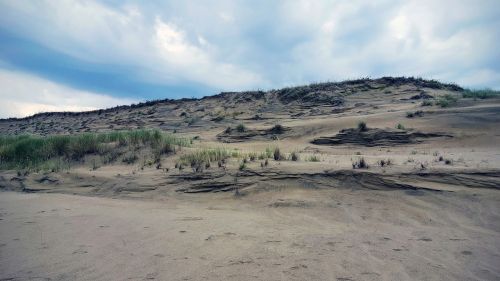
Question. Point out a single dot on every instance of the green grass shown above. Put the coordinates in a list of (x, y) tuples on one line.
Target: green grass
[(426, 103), (241, 128), (37, 152), (480, 94), (242, 166), (206, 155), (313, 158), (446, 100)]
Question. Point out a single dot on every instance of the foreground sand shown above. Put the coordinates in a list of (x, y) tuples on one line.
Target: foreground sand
[(336, 234)]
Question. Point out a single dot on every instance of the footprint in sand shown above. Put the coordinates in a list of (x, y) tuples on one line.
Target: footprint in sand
[(191, 219), (425, 239), (151, 276), (79, 251)]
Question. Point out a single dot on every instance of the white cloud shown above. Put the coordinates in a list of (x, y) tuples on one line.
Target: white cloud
[(433, 39), (195, 61), (228, 45), (122, 35), (23, 95)]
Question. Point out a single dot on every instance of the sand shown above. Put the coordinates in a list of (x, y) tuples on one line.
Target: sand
[(330, 235)]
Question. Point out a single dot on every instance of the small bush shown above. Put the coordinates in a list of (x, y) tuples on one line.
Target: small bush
[(277, 154), (400, 127), (241, 128), (427, 103), (362, 126), (277, 129), (360, 164), (385, 162), (294, 156), (242, 166), (252, 156), (418, 113)]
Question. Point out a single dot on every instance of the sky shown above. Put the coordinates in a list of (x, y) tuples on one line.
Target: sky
[(71, 55)]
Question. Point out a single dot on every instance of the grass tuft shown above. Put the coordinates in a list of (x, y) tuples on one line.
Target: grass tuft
[(241, 128), (362, 127), (197, 159), (446, 100), (360, 164), (313, 158)]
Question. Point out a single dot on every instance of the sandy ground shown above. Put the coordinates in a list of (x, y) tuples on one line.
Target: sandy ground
[(335, 234)]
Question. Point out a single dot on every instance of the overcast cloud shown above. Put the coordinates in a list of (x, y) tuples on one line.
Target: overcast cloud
[(79, 55)]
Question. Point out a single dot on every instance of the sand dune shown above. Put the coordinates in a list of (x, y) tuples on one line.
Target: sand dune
[(286, 202)]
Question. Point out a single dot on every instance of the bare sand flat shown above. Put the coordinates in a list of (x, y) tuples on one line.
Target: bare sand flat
[(330, 235)]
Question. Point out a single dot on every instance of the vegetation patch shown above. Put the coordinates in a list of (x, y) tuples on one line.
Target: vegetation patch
[(418, 113), (362, 127), (481, 94), (446, 100), (36, 152), (427, 103), (201, 158), (400, 127), (313, 158), (360, 164), (241, 128)]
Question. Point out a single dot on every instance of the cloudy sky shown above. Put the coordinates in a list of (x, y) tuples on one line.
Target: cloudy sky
[(81, 55)]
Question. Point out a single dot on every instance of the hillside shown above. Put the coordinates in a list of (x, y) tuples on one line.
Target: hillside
[(229, 107)]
